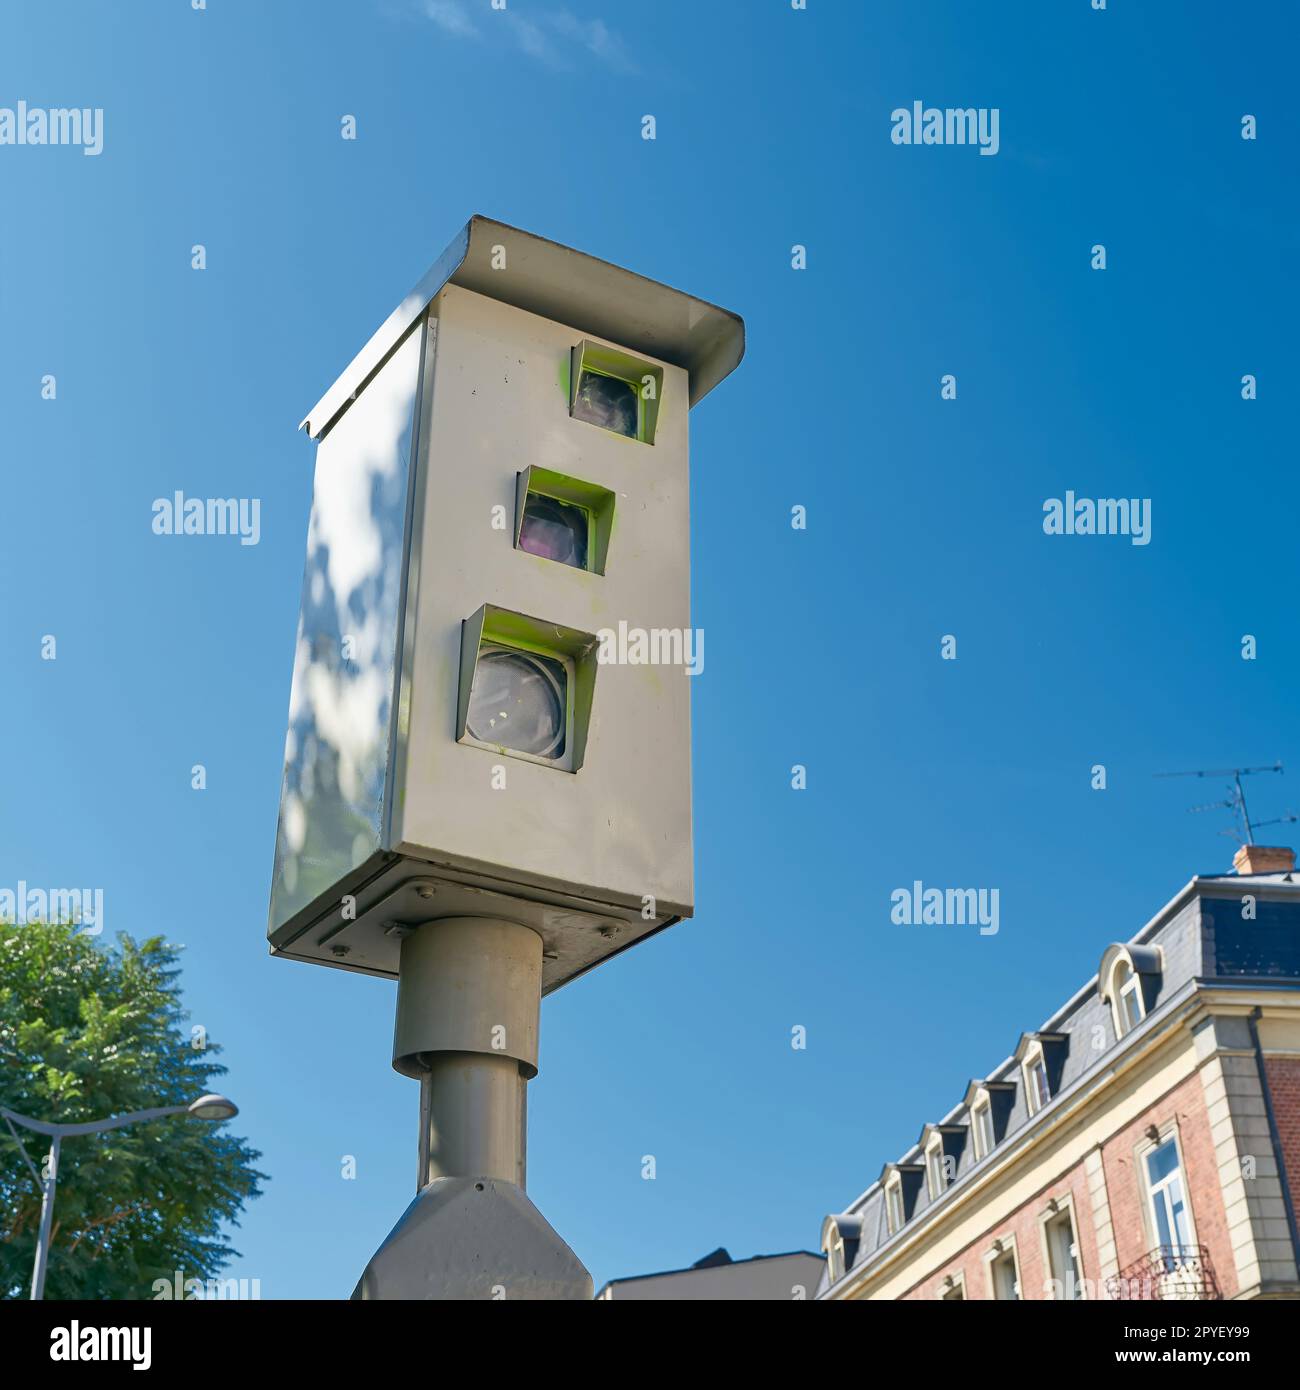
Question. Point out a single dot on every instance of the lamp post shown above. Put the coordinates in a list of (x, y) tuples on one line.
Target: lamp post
[(207, 1107)]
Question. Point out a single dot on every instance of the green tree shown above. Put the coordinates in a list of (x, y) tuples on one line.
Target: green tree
[(88, 1031)]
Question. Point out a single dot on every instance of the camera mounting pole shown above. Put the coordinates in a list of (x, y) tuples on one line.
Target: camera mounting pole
[(468, 1004)]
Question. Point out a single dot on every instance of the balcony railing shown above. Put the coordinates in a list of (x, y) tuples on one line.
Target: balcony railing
[(1168, 1272)]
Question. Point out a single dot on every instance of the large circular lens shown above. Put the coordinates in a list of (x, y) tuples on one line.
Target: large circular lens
[(608, 402), (518, 701), (554, 530)]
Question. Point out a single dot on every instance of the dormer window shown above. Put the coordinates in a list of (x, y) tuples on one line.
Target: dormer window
[(840, 1237), (934, 1168), (981, 1121), (900, 1184), (1129, 979), (835, 1254), (1037, 1090), (988, 1103), (1130, 998), (942, 1146), (1042, 1060), (894, 1217)]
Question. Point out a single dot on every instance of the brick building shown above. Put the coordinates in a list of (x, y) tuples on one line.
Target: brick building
[(1144, 1143)]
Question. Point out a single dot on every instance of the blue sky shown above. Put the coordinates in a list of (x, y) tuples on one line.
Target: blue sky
[(1122, 127)]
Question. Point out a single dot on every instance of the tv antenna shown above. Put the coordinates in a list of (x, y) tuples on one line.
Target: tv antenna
[(1236, 800)]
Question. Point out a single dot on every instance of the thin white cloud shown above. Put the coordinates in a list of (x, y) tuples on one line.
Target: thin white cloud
[(554, 38), (595, 36), (452, 16)]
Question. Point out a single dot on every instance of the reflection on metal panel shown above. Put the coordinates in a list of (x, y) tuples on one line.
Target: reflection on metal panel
[(340, 709)]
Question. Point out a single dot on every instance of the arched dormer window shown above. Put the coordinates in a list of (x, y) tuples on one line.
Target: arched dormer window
[(840, 1236), (834, 1247), (1128, 980)]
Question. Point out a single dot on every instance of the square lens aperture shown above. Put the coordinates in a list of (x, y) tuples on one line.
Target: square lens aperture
[(608, 402), (555, 530)]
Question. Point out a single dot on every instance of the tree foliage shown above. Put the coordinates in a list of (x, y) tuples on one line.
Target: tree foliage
[(88, 1031)]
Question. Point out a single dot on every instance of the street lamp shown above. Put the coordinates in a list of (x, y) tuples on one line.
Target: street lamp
[(207, 1107), (212, 1107)]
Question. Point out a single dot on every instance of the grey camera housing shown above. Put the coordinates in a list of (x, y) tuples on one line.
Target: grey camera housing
[(390, 815)]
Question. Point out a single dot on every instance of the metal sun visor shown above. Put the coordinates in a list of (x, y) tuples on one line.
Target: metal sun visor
[(557, 282)]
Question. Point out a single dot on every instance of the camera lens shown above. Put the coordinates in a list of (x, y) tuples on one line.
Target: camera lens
[(608, 402), (519, 700), (554, 530)]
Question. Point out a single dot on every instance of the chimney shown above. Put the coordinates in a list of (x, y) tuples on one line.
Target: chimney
[(1263, 859)]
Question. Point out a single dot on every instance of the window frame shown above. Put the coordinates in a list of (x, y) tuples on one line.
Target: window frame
[(935, 1181), (981, 1113), (1130, 989), (1121, 981), (1167, 1134), (1035, 1061), (1003, 1248), (834, 1248), (955, 1292), (894, 1194), (1061, 1209)]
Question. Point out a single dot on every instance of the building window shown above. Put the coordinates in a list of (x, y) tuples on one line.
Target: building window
[(835, 1255), (894, 1206), (1127, 977), (1037, 1090), (1004, 1276), (953, 1289), (982, 1125), (1130, 999), (1170, 1215), (934, 1168), (1066, 1278)]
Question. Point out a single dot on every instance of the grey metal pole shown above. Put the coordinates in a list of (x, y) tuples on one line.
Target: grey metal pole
[(469, 993), (47, 1216), (468, 1003), (1245, 811), (475, 1117)]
